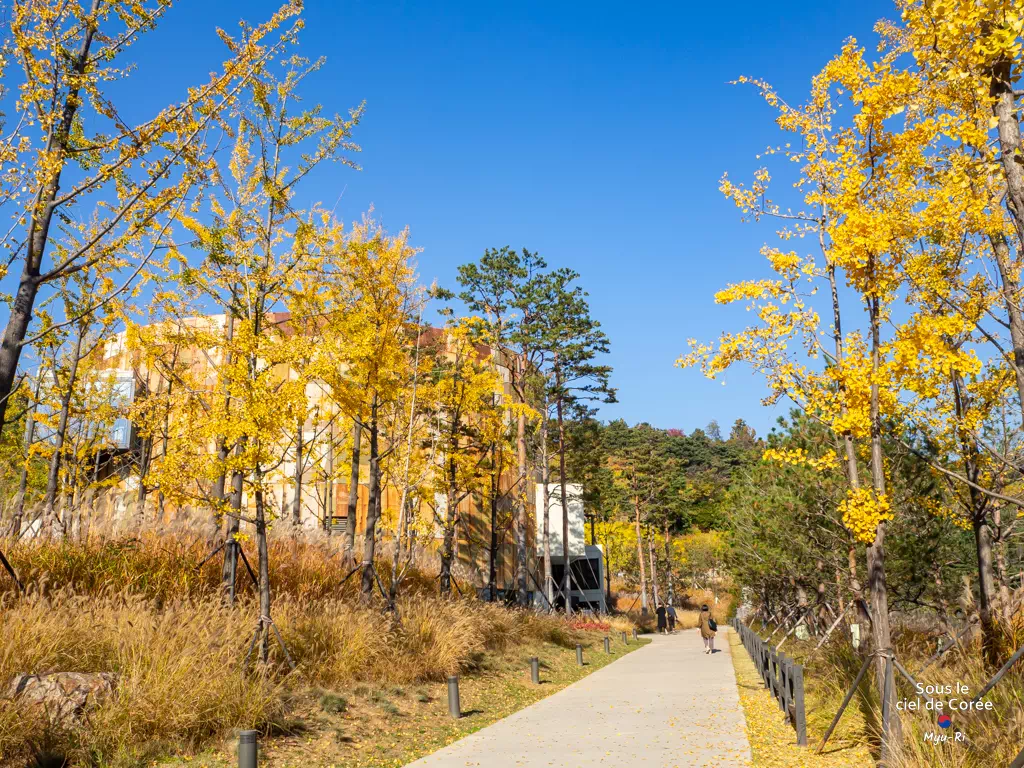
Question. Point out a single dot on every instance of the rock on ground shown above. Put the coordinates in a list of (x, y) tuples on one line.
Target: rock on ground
[(63, 697)]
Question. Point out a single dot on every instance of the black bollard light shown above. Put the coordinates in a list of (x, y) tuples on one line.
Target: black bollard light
[(535, 670), (453, 697), (579, 654), (607, 645), (247, 749)]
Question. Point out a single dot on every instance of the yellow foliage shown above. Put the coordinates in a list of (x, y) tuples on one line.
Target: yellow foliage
[(862, 511), (799, 457)]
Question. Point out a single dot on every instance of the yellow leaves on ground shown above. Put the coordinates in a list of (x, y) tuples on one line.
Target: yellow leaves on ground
[(772, 739)]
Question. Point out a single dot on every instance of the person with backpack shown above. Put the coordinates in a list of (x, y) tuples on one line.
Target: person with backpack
[(670, 614), (708, 626), (661, 620)]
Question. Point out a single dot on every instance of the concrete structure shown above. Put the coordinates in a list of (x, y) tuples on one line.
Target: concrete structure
[(577, 532), (586, 561)]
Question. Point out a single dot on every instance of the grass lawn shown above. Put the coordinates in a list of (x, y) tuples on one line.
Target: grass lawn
[(364, 725)]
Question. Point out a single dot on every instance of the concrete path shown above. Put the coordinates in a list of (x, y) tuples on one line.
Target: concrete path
[(667, 705)]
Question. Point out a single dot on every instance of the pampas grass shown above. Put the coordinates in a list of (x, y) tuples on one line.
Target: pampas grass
[(140, 608)]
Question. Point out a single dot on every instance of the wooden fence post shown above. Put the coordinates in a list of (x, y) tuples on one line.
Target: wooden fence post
[(887, 713), (783, 678), (776, 688), (799, 714), (784, 683)]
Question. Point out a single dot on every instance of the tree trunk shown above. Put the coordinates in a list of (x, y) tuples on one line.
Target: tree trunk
[(1010, 288), (369, 535), (837, 320), (217, 491), (545, 480), (521, 498), (668, 564), (492, 565), (85, 521), (297, 498), (876, 551), (640, 558), (654, 569), (448, 543), (353, 492), (821, 611), (986, 591), (839, 591), (232, 523), (39, 225), (447, 555), (608, 578), (30, 438), (1003, 584), (401, 535), (1004, 109), (219, 484), (565, 505), (161, 499), (145, 457), (329, 482), (264, 567), (53, 475), (801, 602), (978, 504), (856, 589), (849, 449)]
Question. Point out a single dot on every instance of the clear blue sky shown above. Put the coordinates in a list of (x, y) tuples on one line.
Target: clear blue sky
[(592, 132)]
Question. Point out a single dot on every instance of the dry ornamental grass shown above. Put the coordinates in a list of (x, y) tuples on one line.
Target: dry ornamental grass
[(178, 651)]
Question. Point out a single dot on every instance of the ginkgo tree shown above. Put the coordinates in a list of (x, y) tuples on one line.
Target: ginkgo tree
[(470, 418), (73, 367), (862, 204), (967, 62), (369, 340), (258, 255), (72, 162)]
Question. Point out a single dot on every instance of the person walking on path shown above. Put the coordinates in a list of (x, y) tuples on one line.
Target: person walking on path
[(661, 619), (708, 627), (670, 613)]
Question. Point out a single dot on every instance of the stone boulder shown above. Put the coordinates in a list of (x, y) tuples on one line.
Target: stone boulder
[(64, 698)]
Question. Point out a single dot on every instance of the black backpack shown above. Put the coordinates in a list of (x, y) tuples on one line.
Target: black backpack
[(712, 624)]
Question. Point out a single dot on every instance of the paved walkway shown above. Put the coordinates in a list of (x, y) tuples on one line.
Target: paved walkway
[(666, 705)]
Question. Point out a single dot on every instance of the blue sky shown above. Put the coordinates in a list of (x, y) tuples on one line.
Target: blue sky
[(594, 133)]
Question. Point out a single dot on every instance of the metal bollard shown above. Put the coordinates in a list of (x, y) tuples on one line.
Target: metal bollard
[(579, 654), (535, 670), (635, 638), (607, 645), (247, 749), (453, 697), (625, 640)]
